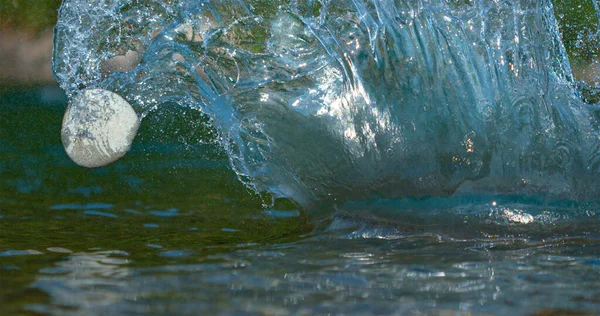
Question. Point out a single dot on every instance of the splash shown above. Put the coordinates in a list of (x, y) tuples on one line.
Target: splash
[(319, 100)]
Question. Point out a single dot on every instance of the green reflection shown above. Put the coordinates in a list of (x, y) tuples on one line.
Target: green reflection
[(171, 193)]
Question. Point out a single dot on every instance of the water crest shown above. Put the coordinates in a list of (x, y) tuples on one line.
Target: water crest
[(323, 101)]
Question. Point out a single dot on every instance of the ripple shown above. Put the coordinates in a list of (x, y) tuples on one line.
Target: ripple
[(592, 262), (55, 270), (282, 214), (98, 213), (229, 230), (168, 213), (175, 253), (11, 253), (87, 206), (59, 250), (423, 273)]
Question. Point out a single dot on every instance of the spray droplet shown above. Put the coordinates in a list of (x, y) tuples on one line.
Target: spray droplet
[(98, 128)]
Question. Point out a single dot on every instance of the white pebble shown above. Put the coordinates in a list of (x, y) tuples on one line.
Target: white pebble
[(98, 128)]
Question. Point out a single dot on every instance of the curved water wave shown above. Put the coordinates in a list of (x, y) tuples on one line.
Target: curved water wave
[(320, 101)]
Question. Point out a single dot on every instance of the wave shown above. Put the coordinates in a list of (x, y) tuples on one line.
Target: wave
[(322, 101)]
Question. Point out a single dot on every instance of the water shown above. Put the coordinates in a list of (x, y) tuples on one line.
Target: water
[(355, 100), (359, 157)]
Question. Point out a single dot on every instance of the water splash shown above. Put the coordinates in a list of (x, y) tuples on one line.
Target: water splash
[(318, 101)]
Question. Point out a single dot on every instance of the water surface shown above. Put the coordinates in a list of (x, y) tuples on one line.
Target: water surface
[(287, 164), (145, 236)]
